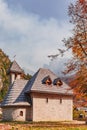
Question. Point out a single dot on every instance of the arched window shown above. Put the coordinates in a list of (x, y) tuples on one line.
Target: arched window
[(21, 113)]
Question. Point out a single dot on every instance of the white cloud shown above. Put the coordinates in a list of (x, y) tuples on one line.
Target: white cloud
[(32, 39)]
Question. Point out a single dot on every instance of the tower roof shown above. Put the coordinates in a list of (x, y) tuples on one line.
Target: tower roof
[(15, 68)]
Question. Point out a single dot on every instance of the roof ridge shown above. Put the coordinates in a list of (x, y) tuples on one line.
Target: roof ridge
[(49, 71)]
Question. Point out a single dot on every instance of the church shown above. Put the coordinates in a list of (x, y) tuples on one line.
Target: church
[(45, 97)]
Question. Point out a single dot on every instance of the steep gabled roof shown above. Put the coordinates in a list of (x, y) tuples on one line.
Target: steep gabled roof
[(16, 94), (15, 68), (36, 84)]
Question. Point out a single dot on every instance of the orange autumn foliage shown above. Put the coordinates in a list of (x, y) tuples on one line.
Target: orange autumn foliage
[(78, 44)]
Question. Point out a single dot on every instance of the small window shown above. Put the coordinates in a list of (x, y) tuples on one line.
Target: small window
[(60, 101), (47, 80), (58, 82), (46, 100), (15, 76), (21, 113)]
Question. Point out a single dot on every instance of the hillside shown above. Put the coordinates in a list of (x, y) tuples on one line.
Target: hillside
[(5, 63), (4, 78)]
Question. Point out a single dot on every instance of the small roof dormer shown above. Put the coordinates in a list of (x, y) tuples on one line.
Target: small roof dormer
[(15, 71), (47, 80), (58, 82)]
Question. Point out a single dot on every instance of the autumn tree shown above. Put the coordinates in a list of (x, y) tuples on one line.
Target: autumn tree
[(78, 44)]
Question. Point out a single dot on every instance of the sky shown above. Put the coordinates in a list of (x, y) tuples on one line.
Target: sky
[(34, 29)]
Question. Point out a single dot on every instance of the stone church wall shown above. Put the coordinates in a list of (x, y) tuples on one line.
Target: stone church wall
[(16, 114), (52, 108)]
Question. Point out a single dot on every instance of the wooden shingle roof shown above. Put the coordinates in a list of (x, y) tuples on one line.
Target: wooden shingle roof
[(16, 94), (36, 84), (15, 68)]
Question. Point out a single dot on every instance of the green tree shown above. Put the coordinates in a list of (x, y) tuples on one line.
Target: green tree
[(27, 76), (4, 65)]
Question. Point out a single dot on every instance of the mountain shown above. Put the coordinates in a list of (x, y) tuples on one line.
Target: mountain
[(68, 79)]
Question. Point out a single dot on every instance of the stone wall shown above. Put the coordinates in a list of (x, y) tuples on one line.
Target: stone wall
[(29, 114), (45, 107), (15, 114), (13, 77), (48, 107)]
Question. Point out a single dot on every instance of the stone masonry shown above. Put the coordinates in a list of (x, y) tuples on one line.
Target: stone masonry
[(57, 108)]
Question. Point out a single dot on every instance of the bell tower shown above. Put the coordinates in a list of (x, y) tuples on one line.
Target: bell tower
[(15, 72)]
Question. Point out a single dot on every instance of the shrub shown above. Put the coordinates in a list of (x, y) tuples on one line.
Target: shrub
[(78, 114)]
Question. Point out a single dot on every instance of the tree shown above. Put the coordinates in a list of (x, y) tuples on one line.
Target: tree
[(27, 76), (78, 44), (4, 65)]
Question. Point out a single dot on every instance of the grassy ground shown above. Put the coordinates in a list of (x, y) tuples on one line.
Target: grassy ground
[(41, 126), (46, 128)]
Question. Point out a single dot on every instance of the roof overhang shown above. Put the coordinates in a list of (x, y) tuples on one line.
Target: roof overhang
[(48, 92)]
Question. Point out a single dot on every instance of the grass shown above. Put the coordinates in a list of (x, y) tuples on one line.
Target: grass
[(48, 128), (41, 126)]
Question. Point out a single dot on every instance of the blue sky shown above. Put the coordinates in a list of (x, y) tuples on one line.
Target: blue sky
[(33, 29), (45, 8)]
